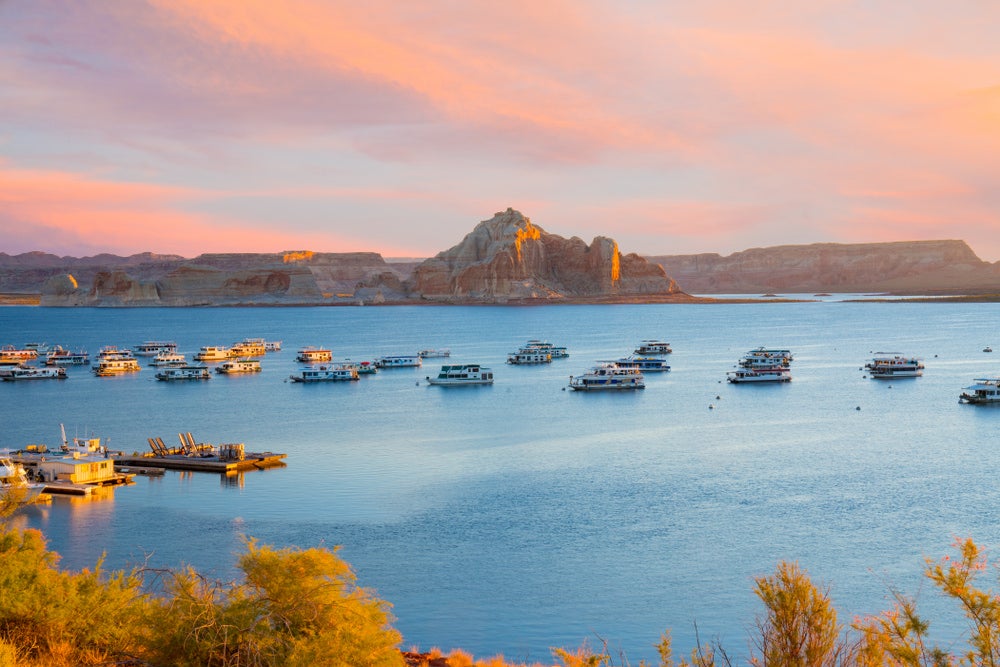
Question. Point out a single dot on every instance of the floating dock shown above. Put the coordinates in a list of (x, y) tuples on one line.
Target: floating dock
[(198, 457)]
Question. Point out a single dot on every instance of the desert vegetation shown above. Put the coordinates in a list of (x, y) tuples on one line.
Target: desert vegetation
[(304, 607)]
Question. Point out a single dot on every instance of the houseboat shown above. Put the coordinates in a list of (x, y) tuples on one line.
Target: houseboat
[(169, 359), (608, 377), (212, 353), (109, 366), (332, 373), (890, 365), (434, 354), (527, 356), (14, 483), (151, 348), (653, 347), (557, 351), (34, 373), (57, 356), (982, 391), (13, 356), (771, 374), (763, 356), (170, 373), (314, 355), (248, 347), (462, 374), (644, 363), (39, 348), (272, 346), (113, 352), (400, 361), (237, 366)]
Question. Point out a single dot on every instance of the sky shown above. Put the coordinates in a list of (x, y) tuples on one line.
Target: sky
[(674, 127)]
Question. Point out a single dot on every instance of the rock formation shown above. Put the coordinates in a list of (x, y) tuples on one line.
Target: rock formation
[(908, 267), (507, 258)]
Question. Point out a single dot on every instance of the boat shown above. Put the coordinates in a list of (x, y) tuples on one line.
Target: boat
[(987, 349), (981, 392), (112, 352), (11, 355), (169, 359), (248, 347), (112, 365), (332, 373), (34, 373), (608, 376), (462, 374), (57, 356), (772, 374), (889, 365), (169, 373), (272, 345), (151, 348), (39, 348), (367, 368), (557, 352), (527, 356), (763, 356), (236, 366), (646, 364), (14, 480), (431, 354), (312, 355), (212, 353), (399, 361), (653, 347)]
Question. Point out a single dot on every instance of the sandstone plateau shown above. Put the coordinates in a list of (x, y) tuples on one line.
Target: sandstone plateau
[(506, 259), (908, 267)]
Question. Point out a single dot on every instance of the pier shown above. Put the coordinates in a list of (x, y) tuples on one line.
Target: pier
[(198, 457)]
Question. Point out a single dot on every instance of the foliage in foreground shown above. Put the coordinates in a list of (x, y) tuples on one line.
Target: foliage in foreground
[(303, 607)]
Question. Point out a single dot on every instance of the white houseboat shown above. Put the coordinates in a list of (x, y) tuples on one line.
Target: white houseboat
[(34, 373), (399, 361), (889, 365), (169, 359), (462, 374), (212, 353), (333, 373), (57, 356), (313, 355), (237, 366), (644, 363), (763, 356), (434, 354), (151, 348), (653, 347), (608, 376), (772, 374), (557, 351), (14, 482), (272, 346), (527, 356), (981, 392), (170, 373)]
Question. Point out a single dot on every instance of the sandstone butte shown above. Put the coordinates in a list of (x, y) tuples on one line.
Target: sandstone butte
[(505, 259)]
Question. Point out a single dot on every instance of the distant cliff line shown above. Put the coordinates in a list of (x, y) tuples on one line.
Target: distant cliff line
[(504, 260)]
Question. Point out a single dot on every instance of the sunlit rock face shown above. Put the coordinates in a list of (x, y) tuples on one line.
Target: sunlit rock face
[(905, 266), (509, 258)]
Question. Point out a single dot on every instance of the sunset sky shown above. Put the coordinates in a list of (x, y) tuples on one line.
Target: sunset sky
[(190, 126)]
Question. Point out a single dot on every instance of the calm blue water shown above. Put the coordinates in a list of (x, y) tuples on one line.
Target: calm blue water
[(512, 518)]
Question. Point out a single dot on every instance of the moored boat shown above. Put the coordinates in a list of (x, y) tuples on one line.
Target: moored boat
[(771, 374), (314, 355), (981, 392), (212, 353), (170, 373), (57, 356), (112, 364), (608, 376), (399, 361), (646, 364), (248, 347), (151, 348), (272, 345), (430, 353), (11, 355), (653, 347), (169, 359), (39, 348), (889, 365), (34, 373), (462, 374), (236, 366), (764, 357), (332, 373), (527, 356), (556, 351), (14, 483)]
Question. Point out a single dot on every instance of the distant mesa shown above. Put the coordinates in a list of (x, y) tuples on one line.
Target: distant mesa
[(505, 259)]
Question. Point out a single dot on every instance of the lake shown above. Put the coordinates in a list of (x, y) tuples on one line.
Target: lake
[(521, 516)]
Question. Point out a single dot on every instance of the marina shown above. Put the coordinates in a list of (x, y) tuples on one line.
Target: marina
[(604, 498)]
